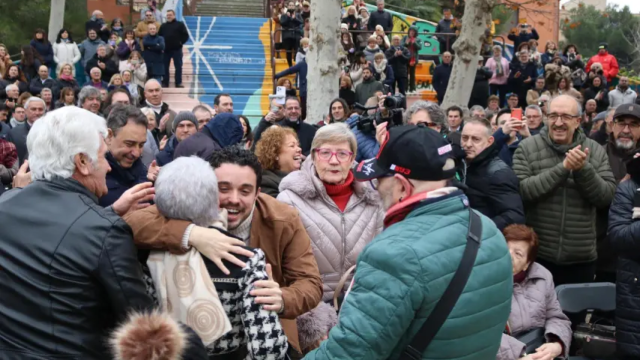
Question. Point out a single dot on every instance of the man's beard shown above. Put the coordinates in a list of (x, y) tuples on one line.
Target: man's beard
[(625, 145), (623, 88)]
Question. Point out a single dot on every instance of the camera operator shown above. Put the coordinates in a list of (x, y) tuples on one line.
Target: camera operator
[(523, 34)]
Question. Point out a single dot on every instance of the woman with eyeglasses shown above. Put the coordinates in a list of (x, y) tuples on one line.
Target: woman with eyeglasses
[(340, 214)]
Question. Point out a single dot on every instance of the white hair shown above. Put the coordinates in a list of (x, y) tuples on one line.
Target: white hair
[(334, 133), (33, 99), (152, 81), (46, 90), (11, 87), (55, 140), (187, 189)]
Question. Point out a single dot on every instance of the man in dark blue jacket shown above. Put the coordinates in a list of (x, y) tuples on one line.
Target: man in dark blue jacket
[(380, 17), (441, 76), (42, 81), (222, 131), (127, 127), (522, 76)]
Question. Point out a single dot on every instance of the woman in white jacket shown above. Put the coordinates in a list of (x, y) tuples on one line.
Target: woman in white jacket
[(65, 51), (136, 65)]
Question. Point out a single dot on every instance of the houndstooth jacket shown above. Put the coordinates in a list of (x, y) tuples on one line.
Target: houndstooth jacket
[(257, 330)]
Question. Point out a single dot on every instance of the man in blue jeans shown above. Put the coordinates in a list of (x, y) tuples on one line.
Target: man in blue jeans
[(175, 36)]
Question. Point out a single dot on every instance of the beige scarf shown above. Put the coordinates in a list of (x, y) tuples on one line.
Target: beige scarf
[(186, 292)]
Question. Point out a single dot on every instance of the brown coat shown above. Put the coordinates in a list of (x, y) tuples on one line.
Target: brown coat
[(276, 229)]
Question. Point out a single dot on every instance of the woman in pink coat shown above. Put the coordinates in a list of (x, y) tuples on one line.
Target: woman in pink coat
[(534, 303), (499, 66)]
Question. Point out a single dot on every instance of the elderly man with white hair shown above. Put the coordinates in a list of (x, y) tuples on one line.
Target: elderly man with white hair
[(398, 57), (35, 108), (72, 264), (103, 61), (12, 92), (164, 115)]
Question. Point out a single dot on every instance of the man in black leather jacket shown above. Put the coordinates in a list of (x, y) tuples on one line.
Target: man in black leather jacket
[(68, 267)]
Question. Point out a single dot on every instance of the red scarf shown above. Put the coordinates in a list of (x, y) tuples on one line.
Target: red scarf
[(66, 77), (340, 194)]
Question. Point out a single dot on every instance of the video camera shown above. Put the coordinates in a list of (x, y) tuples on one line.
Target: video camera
[(394, 108)]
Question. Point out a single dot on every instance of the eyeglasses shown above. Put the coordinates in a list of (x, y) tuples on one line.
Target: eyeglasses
[(376, 182), (563, 117), (341, 155), (633, 125)]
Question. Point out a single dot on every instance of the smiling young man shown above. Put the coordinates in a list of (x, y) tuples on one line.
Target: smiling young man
[(564, 177), (262, 222)]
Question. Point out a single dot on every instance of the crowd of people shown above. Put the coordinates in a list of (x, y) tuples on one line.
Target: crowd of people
[(131, 231)]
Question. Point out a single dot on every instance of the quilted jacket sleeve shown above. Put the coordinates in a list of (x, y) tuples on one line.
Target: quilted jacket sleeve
[(533, 187), (507, 202), (595, 180), (379, 308), (624, 231), (557, 324), (264, 334), (510, 348)]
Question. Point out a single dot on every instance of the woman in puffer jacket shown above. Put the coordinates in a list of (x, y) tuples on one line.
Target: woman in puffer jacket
[(66, 51), (340, 214), (534, 303)]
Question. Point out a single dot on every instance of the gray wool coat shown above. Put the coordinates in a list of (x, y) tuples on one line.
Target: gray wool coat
[(533, 305)]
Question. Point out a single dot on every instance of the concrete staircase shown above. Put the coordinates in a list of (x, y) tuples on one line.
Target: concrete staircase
[(231, 8)]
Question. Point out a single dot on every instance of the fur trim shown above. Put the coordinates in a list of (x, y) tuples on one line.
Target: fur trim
[(306, 184), (148, 336), (314, 325)]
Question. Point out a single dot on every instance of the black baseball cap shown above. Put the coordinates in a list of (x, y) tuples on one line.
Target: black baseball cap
[(631, 110), (416, 152)]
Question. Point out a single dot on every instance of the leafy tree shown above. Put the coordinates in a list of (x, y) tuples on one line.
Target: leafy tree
[(19, 19), (587, 27), (427, 10)]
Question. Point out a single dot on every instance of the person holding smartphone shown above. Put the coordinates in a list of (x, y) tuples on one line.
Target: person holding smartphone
[(522, 34)]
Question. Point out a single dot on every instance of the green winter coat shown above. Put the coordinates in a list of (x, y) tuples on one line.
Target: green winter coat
[(560, 205), (402, 274)]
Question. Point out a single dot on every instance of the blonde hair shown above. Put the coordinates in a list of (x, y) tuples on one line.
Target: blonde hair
[(304, 41), (62, 66), (115, 77)]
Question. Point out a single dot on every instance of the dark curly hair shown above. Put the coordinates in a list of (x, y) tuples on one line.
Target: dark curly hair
[(237, 155), (270, 144)]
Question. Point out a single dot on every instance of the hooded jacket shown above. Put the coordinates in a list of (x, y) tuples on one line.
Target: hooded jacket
[(224, 130), (337, 237), (561, 204)]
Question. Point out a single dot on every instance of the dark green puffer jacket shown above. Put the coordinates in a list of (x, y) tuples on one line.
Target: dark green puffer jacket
[(561, 205)]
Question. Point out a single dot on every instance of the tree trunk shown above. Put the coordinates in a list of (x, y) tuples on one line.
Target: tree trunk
[(56, 19), (467, 49), (322, 58)]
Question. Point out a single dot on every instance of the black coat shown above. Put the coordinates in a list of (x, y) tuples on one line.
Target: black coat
[(23, 87), (222, 131), (383, 19), (61, 84), (110, 69), (291, 26), (480, 91), (175, 35), (624, 236), (347, 95), (591, 92), (493, 189), (353, 23), (517, 84), (97, 26), (305, 132), (31, 71), (36, 86), (270, 183), (399, 64), (69, 266), (121, 179), (440, 80), (18, 136)]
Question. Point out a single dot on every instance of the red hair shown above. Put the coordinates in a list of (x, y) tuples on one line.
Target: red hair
[(517, 232)]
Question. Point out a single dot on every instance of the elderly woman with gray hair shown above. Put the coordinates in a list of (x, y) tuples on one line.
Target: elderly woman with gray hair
[(218, 307), (340, 214)]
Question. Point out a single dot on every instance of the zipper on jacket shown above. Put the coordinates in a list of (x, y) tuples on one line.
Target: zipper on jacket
[(344, 244), (564, 206)]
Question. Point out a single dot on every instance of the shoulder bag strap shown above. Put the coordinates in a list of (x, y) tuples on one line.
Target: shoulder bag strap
[(443, 308)]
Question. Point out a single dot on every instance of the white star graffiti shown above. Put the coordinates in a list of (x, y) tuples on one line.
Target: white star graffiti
[(197, 46)]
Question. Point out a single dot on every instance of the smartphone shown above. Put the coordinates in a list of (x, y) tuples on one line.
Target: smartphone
[(516, 114)]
